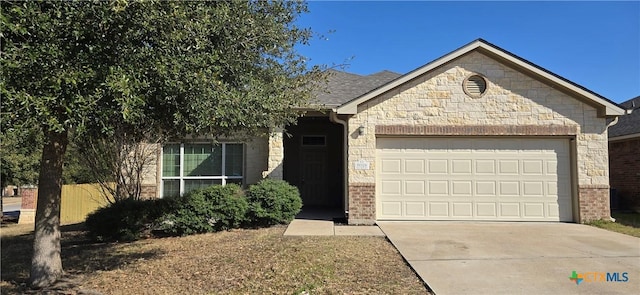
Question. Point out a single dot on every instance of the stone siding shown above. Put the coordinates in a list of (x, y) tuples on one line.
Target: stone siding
[(275, 169), (513, 100)]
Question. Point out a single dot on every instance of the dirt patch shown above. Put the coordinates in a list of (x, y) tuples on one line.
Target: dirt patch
[(239, 261)]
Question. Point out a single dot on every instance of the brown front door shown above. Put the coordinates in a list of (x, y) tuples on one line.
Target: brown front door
[(313, 180)]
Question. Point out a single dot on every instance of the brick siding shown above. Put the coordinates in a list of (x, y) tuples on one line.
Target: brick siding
[(624, 171), (522, 130), (362, 203), (594, 202)]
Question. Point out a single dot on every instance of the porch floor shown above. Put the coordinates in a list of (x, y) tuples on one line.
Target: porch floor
[(320, 222)]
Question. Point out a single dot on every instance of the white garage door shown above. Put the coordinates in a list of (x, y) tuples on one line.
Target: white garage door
[(510, 179)]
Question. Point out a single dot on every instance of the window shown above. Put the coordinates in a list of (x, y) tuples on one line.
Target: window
[(189, 166), (313, 140)]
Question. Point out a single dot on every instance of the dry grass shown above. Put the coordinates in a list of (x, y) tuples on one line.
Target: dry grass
[(259, 261), (626, 223)]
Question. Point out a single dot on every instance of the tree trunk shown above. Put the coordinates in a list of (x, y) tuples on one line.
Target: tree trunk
[(46, 264)]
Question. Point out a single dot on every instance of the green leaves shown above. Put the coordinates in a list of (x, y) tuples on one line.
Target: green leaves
[(216, 67)]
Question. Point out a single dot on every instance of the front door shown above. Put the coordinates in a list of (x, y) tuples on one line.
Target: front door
[(313, 181), (313, 161)]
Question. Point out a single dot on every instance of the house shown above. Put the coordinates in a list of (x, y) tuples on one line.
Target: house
[(477, 134), (624, 157)]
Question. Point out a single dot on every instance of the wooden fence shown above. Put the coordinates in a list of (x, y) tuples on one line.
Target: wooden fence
[(78, 200)]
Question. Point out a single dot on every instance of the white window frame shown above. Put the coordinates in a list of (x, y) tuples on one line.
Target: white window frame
[(223, 177)]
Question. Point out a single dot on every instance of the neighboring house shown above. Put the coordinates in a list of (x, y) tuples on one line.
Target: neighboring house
[(624, 156), (478, 134)]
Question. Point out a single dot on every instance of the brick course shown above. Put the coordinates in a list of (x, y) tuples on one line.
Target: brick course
[(594, 202), (522, 130), (362, 203), (624, 171)]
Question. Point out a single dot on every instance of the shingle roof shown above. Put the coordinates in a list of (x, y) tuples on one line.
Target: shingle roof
[(343, 86), (628, 124)]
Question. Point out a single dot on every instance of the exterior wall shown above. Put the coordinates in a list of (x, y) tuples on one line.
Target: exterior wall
[(362, 203), (275, 156), (437, 99), (624, 165), (256, 159), (151, 180)]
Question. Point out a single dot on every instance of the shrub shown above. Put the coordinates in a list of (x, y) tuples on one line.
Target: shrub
[(211, 209), (126, 220), (272, 202)]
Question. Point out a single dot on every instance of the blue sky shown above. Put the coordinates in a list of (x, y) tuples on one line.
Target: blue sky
[(594, 44)]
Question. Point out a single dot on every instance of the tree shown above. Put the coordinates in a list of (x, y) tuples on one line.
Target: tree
[(187, 67), (20, 156), (122, 159)]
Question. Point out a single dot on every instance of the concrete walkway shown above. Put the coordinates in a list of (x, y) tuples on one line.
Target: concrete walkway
[(517, 258), (312, 222)]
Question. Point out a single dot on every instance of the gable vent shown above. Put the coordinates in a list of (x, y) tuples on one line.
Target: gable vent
[(475, 86)]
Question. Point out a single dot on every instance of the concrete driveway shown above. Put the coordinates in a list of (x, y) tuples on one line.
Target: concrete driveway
[(517, 258)]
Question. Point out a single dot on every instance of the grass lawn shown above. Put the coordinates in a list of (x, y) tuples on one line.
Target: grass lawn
[(626, 223), (259, 261)]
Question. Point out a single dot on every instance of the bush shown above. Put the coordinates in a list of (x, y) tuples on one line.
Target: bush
[(272, 202), (126, 220), (211, 209)]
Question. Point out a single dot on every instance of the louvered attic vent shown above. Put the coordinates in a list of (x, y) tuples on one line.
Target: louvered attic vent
[(475, 86)]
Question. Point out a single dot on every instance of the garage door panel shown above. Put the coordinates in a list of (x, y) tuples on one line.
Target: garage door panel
[(391, 166), (485, 188), (461, 166), (415, 209), (414, 166), (462, 210), (552, 188), (508, 167), (532, 188), (414, 187), (509, 210), (553, 210), (532, 167), (392, 209), (461, 188), (533, 210), (486, 167), (487, 179), (438, 209), (509, 188), (391, 187), (486, 210), (438, 166), (438, 187)]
